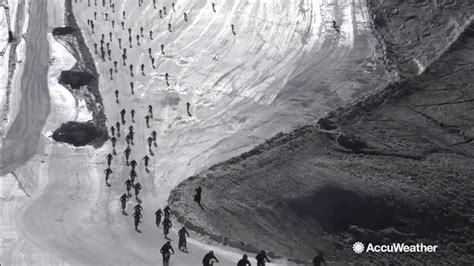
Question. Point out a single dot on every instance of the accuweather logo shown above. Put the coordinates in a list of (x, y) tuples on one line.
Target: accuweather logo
[(359, 247)]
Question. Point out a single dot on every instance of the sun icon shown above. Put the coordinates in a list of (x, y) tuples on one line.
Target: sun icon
[(358, 247)]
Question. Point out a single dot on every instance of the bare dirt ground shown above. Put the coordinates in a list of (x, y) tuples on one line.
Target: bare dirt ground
[(391, 167)]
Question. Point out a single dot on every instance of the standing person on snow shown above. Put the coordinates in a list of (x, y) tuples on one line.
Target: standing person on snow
[(262, 258), (165, 251), (206, 261), (244, 261)]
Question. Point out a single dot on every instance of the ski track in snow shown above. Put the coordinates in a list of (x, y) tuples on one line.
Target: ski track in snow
[(285, 66)]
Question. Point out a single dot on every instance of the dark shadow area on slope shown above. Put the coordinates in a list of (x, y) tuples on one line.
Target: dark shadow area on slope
[(336, 209), (77, 133), (75, 79), (339, 210), (63, 31)]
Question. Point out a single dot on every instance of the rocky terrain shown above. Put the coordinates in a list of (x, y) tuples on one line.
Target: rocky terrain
[(393, 166)]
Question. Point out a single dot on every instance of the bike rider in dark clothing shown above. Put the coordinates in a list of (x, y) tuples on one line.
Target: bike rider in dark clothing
[(206, 261), (150, 111), (165, 251), (182, 233), (138, 208), (167, 211), (133, 164), (146, 159), (109, 159), (122, 114), (137, 187), (123, 201), (262, 258), (137, 216), (166, 226), (153, 135), (117, 125), (107, 172), (133, 174), (158, 215), (129, 185), (127, 153), (244, 261)]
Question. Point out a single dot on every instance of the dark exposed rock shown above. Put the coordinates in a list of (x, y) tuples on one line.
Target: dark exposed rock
[(77, 133), (63, 31), (75, 79)]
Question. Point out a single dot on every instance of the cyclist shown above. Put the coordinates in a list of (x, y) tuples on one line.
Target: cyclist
[(182, 233), (206, 261), (166, 250), (123, 200), (166, 226)]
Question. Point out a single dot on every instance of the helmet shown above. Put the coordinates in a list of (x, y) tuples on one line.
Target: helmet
[(211, 252), (245, 256)]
